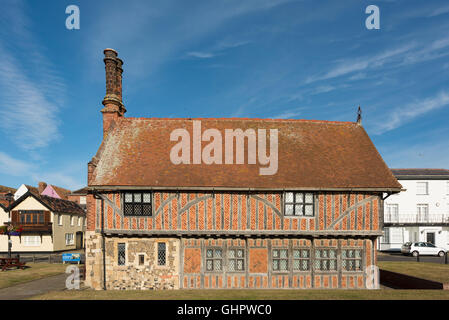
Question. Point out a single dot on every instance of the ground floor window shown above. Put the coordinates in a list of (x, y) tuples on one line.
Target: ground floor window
[(351, 259), (280, 259), (214, 259), (161, 253), (325, 259), (32, 241), (236, 260), (69, 239), (121, 254), (301, 259)]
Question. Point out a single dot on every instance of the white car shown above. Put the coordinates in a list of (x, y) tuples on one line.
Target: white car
[(422, 248)]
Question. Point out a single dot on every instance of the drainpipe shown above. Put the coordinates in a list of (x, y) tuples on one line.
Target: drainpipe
[(104, 244)]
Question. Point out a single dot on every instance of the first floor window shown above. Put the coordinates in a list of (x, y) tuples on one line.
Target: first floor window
[(422, 188), (161, 253), (69, 239), (121, 254), (72, 220), (236, 260), (31, 216), (301, 259), (138, 204), (299, 204), (214, 259), (325, 259), (280, 259), (60, 219), (351, 259), (79, 221)]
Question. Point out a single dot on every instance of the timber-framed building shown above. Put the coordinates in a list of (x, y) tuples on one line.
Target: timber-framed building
[(153, 224)]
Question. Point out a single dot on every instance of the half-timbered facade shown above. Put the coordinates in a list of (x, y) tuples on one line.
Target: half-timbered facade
[(154, 224)]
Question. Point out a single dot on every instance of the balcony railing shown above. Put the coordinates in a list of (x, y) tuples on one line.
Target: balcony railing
[(35, 227), (416, 218)]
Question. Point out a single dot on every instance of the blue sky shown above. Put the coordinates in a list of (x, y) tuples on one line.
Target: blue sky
[(265, 59)]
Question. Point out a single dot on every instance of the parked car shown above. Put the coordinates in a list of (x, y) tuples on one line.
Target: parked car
[(422, 248)]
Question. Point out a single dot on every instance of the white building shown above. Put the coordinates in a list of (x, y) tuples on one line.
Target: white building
[(421, 213)]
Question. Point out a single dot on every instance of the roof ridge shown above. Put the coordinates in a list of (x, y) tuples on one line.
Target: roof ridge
[(243, 119)]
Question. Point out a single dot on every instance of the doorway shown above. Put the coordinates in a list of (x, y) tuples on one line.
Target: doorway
[(79, 240), (431, 237)]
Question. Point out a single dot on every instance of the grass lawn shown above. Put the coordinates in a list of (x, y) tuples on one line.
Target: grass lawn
[(383, 294), (425, 270), (33, 272)]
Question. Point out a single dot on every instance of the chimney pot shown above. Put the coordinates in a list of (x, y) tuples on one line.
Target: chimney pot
[(113, 105)]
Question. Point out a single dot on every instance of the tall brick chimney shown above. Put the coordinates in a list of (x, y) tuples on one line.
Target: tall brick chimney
[(113, 104)]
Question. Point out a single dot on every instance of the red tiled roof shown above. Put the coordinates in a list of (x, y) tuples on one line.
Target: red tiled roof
[(4, 189), (54, 204), (312, 154)]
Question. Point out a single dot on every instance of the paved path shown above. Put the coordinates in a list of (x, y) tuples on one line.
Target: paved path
[(33, 288)]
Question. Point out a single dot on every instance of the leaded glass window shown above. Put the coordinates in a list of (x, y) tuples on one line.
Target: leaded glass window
[(214, 259), (325, 259), (280, 259), (299, 204), (161, 253), (236, 260), (137, 204), (301, 259), (121, 253), (351, 259)]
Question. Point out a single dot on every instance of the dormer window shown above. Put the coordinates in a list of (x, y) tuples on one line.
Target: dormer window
[(298, 204), (137, 204)]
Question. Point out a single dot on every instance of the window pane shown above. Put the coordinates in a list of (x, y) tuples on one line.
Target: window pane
[(275, 264), (309, 210), (296, 264), (283, 265), (137, 209), (209, 253), (161, 254), (240, 264), (137, 197), (217, 265), (304, 265), (128, 197), (147, 197), (332, 253), (298, 210), (128, 209), (296, 254), (283, 253), (275, 253), (332, 264), (324, 253), (231, 265), (289, 197), (317, 253), (299, 197), (218, 253), (209, 265), (309, 197), (231, 254), (288, 209), (240, 253), (305, 253)]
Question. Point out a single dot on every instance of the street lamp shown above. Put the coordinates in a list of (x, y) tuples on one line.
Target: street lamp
[(10, 197)]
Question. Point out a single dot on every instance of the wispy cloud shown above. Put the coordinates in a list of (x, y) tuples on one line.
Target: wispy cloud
[(201, 55), (439, 11), (356, 65), (288, 114), (31, 92), (12, 166), (400, 116)]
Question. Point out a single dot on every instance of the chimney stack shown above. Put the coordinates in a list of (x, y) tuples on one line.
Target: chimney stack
[(41, 187), (359, 116), (113, 104)]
